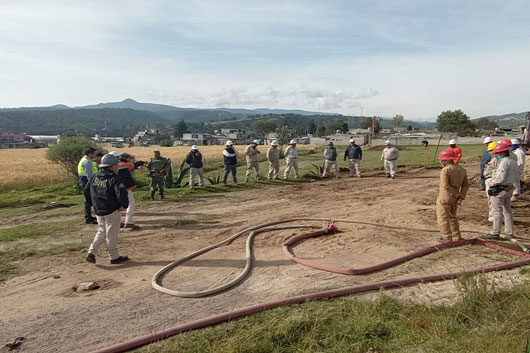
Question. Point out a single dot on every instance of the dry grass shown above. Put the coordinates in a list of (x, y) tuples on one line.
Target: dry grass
[(27, 168)]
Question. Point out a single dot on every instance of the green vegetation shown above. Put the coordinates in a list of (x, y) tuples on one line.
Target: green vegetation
[(42, 229), (69, 151), (455, 121), (484, 320)]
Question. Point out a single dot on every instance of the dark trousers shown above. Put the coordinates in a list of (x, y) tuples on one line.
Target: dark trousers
[(83, 180), (232, 168)]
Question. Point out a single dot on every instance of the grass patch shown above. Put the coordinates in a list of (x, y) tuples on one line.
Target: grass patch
[(44, 229), (484, 320)]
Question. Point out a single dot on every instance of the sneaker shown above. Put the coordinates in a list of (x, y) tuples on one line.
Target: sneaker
[(442, 240), (490, 236), (119, 259), (91, 258), (131, 226), (91, 221)]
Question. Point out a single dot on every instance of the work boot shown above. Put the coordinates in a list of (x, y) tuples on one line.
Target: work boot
[(91, 221), (152, 195), (514, 198), (388, 175), (119, 259), (131, 226), (91, 258), (490, 236)]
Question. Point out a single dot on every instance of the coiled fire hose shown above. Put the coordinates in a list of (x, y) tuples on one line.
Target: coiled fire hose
[(212, 320)]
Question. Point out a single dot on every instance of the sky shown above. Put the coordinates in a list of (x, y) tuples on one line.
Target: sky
[(416, 58)]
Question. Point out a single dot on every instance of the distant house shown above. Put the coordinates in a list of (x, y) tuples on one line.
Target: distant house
[(197, 138), (149, 136), (9, 139)]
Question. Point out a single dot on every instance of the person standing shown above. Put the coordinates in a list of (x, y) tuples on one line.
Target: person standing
[(456, 149), (488, 174), (355, 154), (330, 155), (126, 167), (194, 160), (108, 195), (484, 160), (291, 158), (157, 168), (230, 161), (252, 155), (501, 190), (521, 160), (453, 189), (86, 168), (273, 156), (389, 157)]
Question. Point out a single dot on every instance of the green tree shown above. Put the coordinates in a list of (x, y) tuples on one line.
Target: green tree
[(321, 130), (263, 127), (181, 128), (284, 134), (455, 121), (372, 123), (69, 151), (486, 124), (312, 128), (397, 120)]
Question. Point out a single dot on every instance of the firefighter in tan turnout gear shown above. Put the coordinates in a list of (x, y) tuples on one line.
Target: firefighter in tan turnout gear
[(273, 156), (252, 154), (453, 190)]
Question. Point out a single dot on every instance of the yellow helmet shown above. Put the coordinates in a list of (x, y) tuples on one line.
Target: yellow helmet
[(492, 145)]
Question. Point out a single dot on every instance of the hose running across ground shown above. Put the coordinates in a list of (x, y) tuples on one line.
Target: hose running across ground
[(231, 315), (248, 253)]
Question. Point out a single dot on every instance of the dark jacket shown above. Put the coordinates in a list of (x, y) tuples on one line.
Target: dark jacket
[(230, 160), (106, 192), (194, 159), (353, 152), (330, 154), (486, 158)]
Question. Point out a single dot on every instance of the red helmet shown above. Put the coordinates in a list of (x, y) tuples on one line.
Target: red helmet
[(501, 147), (507, 142), (447, 154)]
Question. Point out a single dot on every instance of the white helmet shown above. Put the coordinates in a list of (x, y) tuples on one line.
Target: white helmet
[(229, 143), (352, 140), (274, 143), (194, 147), (487, 139), (115, 153), (515, 142), (256, 142), (452, 142), (387, 142), (292, 142)]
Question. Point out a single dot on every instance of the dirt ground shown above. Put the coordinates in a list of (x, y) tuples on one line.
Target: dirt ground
[(53, 318)]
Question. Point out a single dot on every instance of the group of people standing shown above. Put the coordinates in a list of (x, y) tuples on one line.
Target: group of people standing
[(502, 166)]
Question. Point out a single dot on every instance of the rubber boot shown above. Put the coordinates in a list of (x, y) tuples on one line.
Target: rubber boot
[(152, 195)]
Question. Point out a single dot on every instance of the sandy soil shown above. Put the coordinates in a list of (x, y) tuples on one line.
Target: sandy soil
[(53, 318)]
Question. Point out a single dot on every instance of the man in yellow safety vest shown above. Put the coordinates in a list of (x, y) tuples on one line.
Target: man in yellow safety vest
[(86, 168)]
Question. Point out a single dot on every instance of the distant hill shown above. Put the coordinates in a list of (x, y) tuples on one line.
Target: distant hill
[(132, 104), (511, 120)]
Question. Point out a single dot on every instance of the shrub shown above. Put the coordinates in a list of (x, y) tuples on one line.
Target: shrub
[(68, 152)]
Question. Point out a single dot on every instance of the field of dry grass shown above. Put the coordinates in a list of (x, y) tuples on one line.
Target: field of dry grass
[(27, 168)]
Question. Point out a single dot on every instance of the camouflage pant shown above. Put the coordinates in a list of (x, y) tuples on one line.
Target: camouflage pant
[(157, 183)]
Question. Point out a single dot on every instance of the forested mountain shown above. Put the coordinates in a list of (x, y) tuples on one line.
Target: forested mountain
[(512, 120)]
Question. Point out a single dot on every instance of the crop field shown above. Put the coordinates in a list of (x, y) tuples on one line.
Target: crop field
[(26, 168)]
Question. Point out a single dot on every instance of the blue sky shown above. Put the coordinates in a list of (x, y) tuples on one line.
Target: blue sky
[(415, 58)]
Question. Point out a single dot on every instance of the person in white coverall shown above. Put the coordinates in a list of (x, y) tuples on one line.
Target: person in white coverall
[(291, 157), (389, 157)]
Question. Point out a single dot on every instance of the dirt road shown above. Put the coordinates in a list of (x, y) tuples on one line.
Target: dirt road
[(53, 318)]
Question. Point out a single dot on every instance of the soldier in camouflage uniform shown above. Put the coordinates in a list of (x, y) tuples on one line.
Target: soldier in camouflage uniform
[(157, 170)]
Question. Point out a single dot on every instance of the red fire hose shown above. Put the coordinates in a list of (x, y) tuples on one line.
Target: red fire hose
[(212, 320)]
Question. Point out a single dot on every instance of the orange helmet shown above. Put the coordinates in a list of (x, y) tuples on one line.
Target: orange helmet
[(507, 142), (447, 154), (501, 147)]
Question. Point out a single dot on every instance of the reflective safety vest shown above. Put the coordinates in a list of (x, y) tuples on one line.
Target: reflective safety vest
[(81, 170)]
